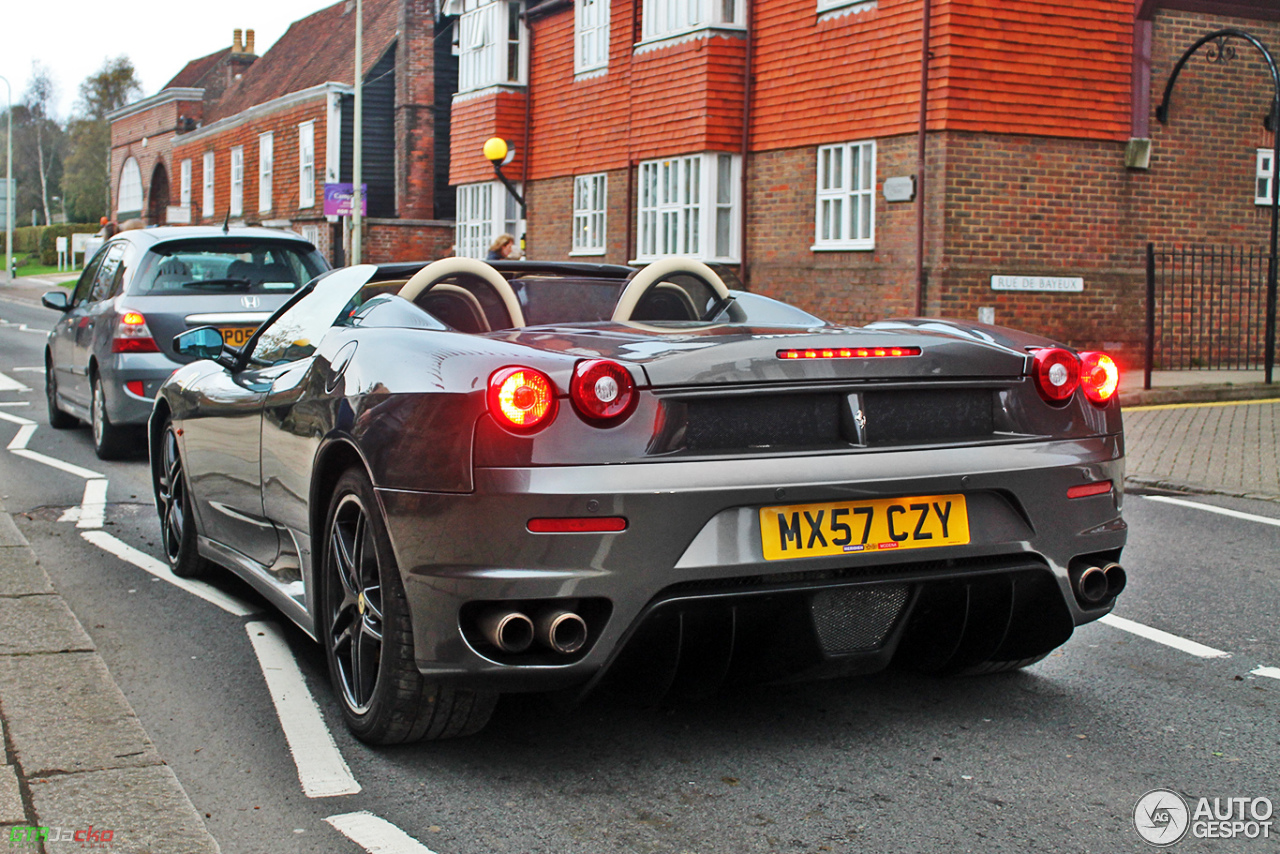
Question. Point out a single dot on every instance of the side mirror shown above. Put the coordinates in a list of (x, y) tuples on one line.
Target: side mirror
[(56, 300), (202, 343)]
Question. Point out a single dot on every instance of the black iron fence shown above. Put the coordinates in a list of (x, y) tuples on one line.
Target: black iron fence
[(1206, 309)]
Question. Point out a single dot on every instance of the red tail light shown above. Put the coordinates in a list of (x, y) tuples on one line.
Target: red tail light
[(849, 353), (603, 392), (132, 334), (521, 399), (1099, 377), (1057, 374), (578, 525)]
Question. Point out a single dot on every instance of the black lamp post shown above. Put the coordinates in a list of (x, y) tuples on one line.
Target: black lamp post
[(1222, 54)]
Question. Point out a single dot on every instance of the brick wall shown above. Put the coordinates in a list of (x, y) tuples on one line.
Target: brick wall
[(283, 125), (149, 137), (550, 217), (478, 117), (388, 240)]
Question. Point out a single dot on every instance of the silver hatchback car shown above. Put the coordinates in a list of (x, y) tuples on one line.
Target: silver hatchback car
[(108, 354)]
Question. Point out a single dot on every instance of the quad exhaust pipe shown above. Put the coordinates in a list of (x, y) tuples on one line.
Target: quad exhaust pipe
[(511, 631), (1096, 584)]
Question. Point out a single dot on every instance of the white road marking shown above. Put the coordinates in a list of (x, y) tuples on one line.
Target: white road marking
[(15, 403), (8, 383), (94, 506), (147, 563), (321, 769), (1190, 647), (26, 370), (15, 419), (376, 835), (25, 432), (1273, 672), (1209, 508), (56, 463)]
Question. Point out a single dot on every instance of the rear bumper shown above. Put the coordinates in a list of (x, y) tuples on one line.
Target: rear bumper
[(693, 546), (151, 369)]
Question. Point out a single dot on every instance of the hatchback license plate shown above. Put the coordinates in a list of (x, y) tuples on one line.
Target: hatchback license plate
[(236, 336), (844, 527)]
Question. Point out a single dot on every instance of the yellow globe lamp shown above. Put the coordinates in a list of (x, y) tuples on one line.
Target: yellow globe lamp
[(495, 149)]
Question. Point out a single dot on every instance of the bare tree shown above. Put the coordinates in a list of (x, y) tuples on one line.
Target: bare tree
[(39, 95)]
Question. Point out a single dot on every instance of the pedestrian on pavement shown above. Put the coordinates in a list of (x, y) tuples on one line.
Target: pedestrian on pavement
[(502, 248)]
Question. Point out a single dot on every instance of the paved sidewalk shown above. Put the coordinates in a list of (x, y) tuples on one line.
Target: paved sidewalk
[(79, 768)]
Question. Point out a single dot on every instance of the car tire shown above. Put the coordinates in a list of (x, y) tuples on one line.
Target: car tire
[(58, 419), (173, 503), (109, 441), (365, 626)]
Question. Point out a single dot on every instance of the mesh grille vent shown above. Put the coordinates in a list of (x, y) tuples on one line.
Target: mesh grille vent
[(856, 619)]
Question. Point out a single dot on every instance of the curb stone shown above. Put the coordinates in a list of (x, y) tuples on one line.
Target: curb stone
[(75, 754)]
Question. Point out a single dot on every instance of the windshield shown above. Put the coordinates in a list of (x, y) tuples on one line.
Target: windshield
[(220, 266)]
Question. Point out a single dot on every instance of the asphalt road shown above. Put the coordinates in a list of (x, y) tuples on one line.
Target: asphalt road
[(1050, 759)]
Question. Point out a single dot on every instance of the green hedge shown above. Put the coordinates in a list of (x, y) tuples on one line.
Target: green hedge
[(49, 243), (42, 239)]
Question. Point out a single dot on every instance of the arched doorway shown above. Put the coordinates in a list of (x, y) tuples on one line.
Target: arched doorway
[(158, 205)]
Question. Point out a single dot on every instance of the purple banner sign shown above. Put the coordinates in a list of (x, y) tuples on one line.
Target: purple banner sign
[(337, 199)]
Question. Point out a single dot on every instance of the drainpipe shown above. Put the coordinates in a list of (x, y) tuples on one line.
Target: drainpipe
[(920, 156)]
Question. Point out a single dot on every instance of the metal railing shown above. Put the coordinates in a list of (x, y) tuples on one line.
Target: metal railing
[(1206, 309)]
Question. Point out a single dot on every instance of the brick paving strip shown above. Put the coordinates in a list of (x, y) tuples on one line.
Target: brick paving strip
[(76, 756)]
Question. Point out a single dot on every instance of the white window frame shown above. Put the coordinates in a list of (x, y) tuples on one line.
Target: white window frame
[(184, 191), (266, 164), (206, 183), (131, 194), (680, 203), (1263, 176), (486, 45), (311, 234), (667, 18), (590, 35), (236, 205), (307, 165), (590, 214), (483, 212), (845, 203), (851, 5)]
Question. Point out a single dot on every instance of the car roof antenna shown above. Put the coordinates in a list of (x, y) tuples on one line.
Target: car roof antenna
[(226, 222)]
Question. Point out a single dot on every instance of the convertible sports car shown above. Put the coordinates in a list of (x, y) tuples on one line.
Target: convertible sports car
[(467, 479)]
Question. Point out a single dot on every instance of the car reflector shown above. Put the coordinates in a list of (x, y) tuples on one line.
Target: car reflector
[(521, 399), (1100, 488), (849, 353), (578, 525), (1057, 374), (1099, 376), (602, 392), (135, 387)]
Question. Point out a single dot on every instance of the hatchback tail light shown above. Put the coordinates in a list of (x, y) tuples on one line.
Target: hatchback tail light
[(602, 392), (1057, 374), (132, 334), (1099, 377), (521, 399)]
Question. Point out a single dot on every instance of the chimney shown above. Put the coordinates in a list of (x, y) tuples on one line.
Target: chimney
[(248, 41), (236, 46)]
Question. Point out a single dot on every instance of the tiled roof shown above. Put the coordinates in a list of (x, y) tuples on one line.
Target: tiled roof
[(193, 74), (317, 49)]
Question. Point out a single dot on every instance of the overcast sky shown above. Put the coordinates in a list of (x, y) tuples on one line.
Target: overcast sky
[(73, 38)]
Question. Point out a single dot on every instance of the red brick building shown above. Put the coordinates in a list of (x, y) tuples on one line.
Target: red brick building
[(779, 140), (254, 140)]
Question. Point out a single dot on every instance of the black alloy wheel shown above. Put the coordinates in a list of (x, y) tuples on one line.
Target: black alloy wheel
[(58, 419), (368, 634), (355, 625), (173, 503)]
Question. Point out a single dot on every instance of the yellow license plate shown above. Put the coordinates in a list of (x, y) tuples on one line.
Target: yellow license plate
[(236, 336), (846, 527)]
